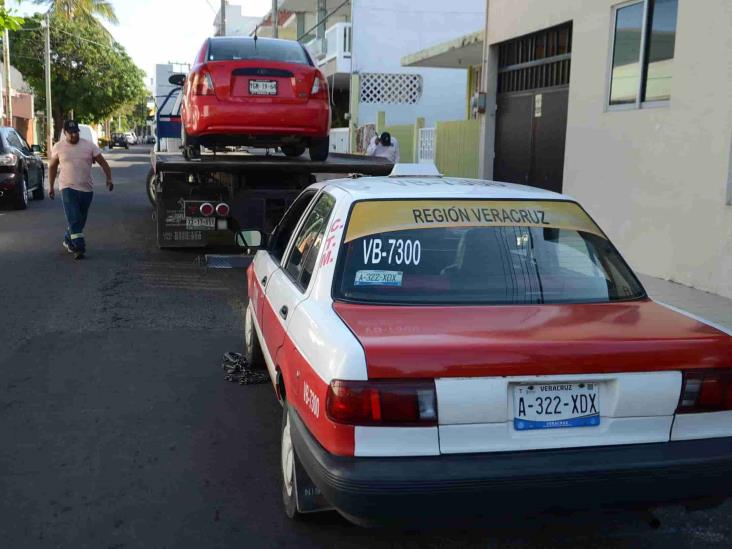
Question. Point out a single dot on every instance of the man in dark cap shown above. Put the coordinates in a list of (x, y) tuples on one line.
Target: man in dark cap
[(75, 157), (385, 146)]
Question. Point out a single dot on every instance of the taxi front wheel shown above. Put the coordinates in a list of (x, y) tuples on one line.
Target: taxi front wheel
[(252, 348)]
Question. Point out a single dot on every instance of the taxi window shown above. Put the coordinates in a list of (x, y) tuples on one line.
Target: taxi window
[(479, 252)]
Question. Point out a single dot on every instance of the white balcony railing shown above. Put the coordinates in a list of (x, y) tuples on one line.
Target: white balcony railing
[(338, 41)]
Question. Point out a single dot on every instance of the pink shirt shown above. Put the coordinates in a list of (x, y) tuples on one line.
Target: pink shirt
[(75, 163)]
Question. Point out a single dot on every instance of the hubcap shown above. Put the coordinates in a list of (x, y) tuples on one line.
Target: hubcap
[(288, 458)]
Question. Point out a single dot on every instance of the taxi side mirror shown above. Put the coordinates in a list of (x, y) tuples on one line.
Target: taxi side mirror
[(249, 239)]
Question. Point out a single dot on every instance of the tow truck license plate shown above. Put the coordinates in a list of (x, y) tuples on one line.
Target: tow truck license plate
[(263, 87), (200, 223), (556, 405)]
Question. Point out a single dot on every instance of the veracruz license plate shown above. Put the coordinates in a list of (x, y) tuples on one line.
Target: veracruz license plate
[(263, 87), (201, 223), (556, 405)]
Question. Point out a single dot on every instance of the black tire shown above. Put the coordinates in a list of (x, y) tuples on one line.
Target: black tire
[(21, 194), (150, 181), (38, 193), (191, 149), (252, 348), (319, 149), (127, 147), (287, 467), (292, 150)]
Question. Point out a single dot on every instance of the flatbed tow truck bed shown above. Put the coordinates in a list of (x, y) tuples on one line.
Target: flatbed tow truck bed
[(246, 191)]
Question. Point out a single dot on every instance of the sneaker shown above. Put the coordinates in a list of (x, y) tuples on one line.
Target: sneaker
[(69, 247), (78, 255)]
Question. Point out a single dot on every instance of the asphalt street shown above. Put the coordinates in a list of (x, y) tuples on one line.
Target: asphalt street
[(117, 429)]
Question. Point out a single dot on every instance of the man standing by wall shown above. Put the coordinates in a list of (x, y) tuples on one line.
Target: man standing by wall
[(75, 156), (384, 146)]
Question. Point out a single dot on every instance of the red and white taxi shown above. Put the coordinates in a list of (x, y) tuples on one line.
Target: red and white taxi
[(446, 346)]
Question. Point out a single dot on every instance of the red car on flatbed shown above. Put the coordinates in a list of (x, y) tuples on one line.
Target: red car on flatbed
[(260, 92)]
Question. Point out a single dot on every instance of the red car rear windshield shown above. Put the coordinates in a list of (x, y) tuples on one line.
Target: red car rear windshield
[(248, 49), (479, 252)]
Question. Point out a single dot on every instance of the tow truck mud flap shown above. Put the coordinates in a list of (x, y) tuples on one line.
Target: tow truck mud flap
[(309, 497)]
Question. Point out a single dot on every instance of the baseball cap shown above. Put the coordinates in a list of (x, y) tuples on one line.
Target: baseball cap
[(71, 126)]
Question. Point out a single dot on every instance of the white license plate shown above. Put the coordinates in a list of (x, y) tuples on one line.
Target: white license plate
[(263, 87), (201, 223), (556, 405)]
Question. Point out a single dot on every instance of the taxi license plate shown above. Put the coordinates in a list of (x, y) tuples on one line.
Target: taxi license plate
[(556, 405), (263, 87), (201, 223)]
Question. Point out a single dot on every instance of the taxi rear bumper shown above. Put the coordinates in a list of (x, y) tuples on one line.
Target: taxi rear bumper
[(398, 489)]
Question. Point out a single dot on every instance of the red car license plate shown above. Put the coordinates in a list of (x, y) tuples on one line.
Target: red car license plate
[(263, 87)]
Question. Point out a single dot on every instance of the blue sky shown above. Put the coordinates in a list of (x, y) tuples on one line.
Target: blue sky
[(161, 31)]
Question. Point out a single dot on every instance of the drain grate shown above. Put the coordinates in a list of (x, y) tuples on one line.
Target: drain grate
[(214, 261)]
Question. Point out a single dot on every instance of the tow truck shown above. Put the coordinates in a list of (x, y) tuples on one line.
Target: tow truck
[(207, 201)]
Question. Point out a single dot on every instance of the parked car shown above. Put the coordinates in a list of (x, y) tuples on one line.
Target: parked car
[(118, 140), (444, 346), (260, 92), (88, 133), (130, 138), (149, 139), (21, 170)]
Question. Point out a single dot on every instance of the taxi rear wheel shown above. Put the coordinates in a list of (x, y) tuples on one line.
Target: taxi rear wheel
[(288, 457)]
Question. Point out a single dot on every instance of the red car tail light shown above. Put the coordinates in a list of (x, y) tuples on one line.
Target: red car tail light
[(206, 209), (222, 210), (388, 403), (320, 87), (202, 84), (706, 391)]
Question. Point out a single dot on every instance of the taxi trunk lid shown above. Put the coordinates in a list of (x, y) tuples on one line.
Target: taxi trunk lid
[(627, 357)]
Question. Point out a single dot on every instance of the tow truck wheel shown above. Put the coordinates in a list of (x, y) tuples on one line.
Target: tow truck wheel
[(252, 349), (292, 150), (151, 190), (288, 457), (319, 149)]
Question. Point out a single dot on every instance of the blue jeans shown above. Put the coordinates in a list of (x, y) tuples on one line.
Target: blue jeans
[(76, 207)]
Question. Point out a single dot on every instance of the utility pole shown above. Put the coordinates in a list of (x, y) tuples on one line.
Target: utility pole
[(49, 114), (6, 79), (222, 30), (275, 20)]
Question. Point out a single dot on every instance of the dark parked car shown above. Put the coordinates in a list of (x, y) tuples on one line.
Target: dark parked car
[(118, 140), (21, 171)]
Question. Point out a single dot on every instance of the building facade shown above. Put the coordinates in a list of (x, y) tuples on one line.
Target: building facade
[(627, 107)]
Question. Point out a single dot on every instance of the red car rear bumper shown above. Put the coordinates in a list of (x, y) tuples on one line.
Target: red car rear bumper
[(207, 116)]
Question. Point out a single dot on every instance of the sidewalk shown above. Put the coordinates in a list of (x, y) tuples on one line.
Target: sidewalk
[(712, 307)]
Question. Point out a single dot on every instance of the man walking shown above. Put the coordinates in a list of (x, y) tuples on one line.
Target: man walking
[(75, 156)]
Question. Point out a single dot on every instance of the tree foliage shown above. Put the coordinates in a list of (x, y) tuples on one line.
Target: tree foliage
[(8, 20), (86, 10), (91, 74)]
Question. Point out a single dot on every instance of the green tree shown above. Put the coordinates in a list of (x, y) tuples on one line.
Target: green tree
[(8, 20), (88, 10), (91, 74)]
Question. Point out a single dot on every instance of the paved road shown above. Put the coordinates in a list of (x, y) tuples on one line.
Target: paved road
[(117, 429)]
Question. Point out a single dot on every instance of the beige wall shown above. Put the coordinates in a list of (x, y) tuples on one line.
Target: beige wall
[(658, 180)]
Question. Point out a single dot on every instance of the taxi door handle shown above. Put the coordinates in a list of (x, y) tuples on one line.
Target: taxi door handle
[(283, 311), (264, 281)]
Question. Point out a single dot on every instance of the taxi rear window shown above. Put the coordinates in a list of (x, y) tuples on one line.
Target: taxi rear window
[(479, 252)]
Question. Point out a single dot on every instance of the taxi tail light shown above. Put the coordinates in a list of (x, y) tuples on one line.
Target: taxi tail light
[(388, 403), (222, 210), (202, 84), (206, 209), (705, 391)]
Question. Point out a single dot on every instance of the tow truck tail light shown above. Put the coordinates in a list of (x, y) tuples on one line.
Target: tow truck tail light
[(222, 210), (207, 209), (320, 87), (202, 84), (705, 391), (387, 402)]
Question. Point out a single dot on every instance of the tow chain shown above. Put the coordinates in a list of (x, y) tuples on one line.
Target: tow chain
[(237, 370)]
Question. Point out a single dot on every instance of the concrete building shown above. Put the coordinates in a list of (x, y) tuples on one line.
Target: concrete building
[(626, 106), (236, 23), (23, 103)]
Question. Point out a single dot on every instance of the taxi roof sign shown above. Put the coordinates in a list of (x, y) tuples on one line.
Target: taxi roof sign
[(415, 170)]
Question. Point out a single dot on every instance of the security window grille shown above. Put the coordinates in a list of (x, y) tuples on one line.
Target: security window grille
[(644, 39), (391, 88), (535, 61)]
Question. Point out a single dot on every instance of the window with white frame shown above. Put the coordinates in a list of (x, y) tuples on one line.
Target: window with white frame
[(644, 37)]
